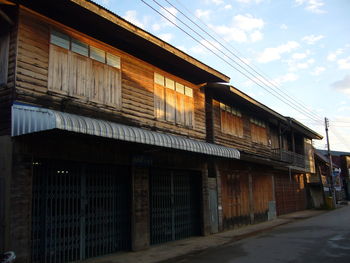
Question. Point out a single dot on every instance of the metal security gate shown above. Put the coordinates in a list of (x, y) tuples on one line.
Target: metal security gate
[(79, 211), (175, 205)]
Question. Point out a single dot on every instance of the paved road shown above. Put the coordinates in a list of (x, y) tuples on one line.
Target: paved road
[(325, 238)]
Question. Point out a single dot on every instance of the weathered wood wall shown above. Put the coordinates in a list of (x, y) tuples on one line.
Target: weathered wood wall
[(262, 194), (137, 82), (290, 193), (243, 142), (6, 88), (235, 198), (245, 191)]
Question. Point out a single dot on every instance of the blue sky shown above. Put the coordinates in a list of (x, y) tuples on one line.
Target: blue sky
[(302, 47)]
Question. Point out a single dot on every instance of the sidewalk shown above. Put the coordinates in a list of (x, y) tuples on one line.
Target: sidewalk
[(194, 245)]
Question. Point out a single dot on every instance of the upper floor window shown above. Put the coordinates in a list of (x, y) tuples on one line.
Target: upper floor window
[(231, 120), (173, 101), (4, 57), (258, 131), (82, 70)]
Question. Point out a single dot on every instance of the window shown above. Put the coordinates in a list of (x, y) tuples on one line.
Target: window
[(258, 131), (173, 101), (4, 57), (80, 48), (78, 69), (231, 120)]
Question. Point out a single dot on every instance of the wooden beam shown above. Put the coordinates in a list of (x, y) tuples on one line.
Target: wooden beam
[(5, 2), (6, 17)]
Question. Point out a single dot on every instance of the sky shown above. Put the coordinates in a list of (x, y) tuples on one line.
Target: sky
[(291, 55)]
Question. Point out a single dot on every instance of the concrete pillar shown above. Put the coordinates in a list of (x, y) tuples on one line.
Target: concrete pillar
[(140, 209)]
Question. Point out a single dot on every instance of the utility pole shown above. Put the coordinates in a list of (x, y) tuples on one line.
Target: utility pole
[(326, 122)]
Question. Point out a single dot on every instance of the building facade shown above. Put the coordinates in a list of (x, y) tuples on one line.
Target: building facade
[(112, 139)]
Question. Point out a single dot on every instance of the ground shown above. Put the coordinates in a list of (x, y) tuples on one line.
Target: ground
[(324, 238)]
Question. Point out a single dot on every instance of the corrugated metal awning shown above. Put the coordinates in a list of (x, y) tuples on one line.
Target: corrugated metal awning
[(29, 119)]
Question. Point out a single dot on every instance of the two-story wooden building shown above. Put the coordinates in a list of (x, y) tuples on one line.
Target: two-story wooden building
[(112, 139), (276, 154)]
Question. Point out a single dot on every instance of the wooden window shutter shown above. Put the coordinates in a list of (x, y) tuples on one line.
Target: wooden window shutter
[(58, 69), (170, 99), (159, 103), (224, 121), (180, 108), (98, 82), (78, 74), (4, 57), (189, 111), (113, 88)]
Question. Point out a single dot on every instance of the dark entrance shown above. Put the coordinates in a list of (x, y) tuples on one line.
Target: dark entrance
[(175, 205), (79, 210)]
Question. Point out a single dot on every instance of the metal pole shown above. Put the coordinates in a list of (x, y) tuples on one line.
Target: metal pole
[(330, 162)]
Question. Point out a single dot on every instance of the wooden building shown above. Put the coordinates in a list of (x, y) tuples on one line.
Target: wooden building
[(276, 154), (110, 140)]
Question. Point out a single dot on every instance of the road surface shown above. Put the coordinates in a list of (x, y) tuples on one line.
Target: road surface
[(324, 238)]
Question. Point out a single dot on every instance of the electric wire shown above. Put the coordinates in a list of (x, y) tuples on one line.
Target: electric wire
[(279, 97), (262, 74)]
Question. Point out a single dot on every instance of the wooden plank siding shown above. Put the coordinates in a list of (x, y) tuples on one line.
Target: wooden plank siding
[(245, 192), (137, 81), (262, 195), (7, 88), (290, 193), (235, 198), (242, 142)]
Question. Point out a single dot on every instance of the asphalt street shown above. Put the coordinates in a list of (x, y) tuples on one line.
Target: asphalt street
[(324, 238)]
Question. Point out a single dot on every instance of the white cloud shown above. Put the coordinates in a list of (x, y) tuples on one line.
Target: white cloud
[(228, 7), (166, 37), (256, 36), (274, 53), (313, 6), (215, 2), (249, 1), (333, 55), (317, 71), (240, 28), (156, 26), (283, 27), (248, 22), (200, 13), (299, 61), (231, 33), (344, 63), (289, 77), (298, 56), (344, 109), (182, 48), (312, 39), (343, 85), (131, 16)]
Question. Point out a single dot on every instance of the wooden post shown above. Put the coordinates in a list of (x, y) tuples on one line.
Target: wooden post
[(251, 196), (206, 228), (140, 209)]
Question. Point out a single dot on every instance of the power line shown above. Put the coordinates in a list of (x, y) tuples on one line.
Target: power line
[(262, 74), (279, 96)]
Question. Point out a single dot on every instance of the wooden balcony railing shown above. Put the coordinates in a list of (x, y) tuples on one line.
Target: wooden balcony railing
[(292, 158)]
